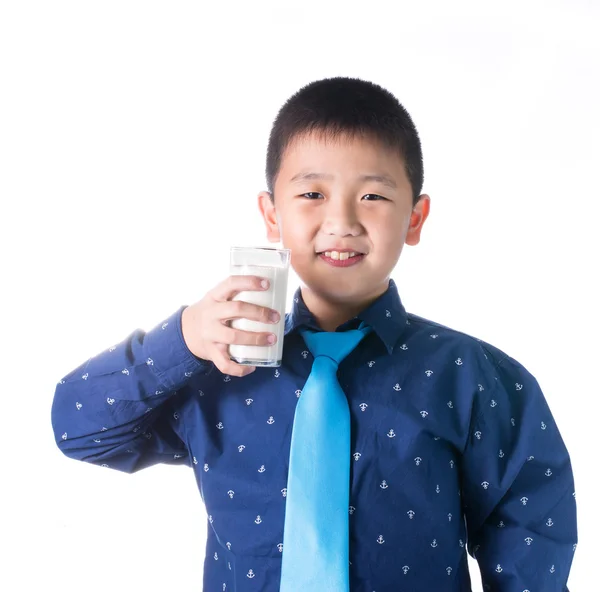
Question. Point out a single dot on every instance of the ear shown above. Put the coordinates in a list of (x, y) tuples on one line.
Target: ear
[(417, 219), (267, 209)]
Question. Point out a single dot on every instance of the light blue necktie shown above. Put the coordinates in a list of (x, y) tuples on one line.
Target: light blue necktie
[(315, 537)]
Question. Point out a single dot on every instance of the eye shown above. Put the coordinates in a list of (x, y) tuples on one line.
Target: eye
[(314, 195)]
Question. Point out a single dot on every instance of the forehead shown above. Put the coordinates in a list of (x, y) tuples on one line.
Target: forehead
[(320, 150)]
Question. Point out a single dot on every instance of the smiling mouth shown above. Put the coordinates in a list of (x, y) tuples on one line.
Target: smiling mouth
[(341, 255), (344, 259)]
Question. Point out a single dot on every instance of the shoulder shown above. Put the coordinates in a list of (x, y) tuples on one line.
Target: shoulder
[(488, 378), (488, 357)]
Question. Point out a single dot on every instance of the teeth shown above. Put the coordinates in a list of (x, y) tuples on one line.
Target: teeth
[(339, 256)]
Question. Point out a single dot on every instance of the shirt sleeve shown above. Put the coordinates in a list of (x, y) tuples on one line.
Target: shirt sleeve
[(517, 484), (120, 408)]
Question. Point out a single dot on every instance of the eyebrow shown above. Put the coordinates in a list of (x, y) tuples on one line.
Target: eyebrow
[(383, 179)]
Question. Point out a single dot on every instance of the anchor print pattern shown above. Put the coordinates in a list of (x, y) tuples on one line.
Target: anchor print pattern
[(415, 389)]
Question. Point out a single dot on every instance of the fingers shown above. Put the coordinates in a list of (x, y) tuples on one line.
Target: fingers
[(231, 335), (221, 360), (235, 284), (221, 308), (238, 309)]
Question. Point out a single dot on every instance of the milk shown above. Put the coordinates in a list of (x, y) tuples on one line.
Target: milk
[(275, 298)]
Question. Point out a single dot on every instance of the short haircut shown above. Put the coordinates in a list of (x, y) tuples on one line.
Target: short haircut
[(349, 107)]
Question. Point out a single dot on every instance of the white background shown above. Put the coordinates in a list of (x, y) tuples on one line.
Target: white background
[(133, 139)]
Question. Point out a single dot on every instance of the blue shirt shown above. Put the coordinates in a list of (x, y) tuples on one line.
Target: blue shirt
[(454, 449)]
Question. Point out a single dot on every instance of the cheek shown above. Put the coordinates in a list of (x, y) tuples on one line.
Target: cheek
[(394, 239), (386, 233), (297, 228)]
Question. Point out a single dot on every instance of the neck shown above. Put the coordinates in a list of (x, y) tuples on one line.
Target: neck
[(330, 314)]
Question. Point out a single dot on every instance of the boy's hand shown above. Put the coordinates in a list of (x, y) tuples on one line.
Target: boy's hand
[(205, 329)]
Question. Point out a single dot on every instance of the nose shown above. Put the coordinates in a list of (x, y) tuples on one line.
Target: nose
[(340, 218)]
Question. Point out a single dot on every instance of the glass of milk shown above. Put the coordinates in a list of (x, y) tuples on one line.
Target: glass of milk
[(273, 264)]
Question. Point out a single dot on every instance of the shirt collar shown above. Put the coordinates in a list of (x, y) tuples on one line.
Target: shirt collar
[(386, 315)]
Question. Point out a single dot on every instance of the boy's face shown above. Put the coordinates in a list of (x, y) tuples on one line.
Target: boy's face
[(343, 211)]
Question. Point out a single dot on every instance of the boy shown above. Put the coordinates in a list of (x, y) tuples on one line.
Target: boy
[(453, 446)]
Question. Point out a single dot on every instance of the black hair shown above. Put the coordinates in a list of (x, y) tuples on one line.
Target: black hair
[(346, 107)]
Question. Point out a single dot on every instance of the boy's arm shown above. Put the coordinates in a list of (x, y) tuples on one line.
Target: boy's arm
[(517, 483), (119, 410)]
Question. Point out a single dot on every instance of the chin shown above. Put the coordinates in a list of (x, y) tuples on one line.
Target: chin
[(336, 289)]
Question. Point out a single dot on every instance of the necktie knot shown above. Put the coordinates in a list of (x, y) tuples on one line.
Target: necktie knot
[(334, 345)]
